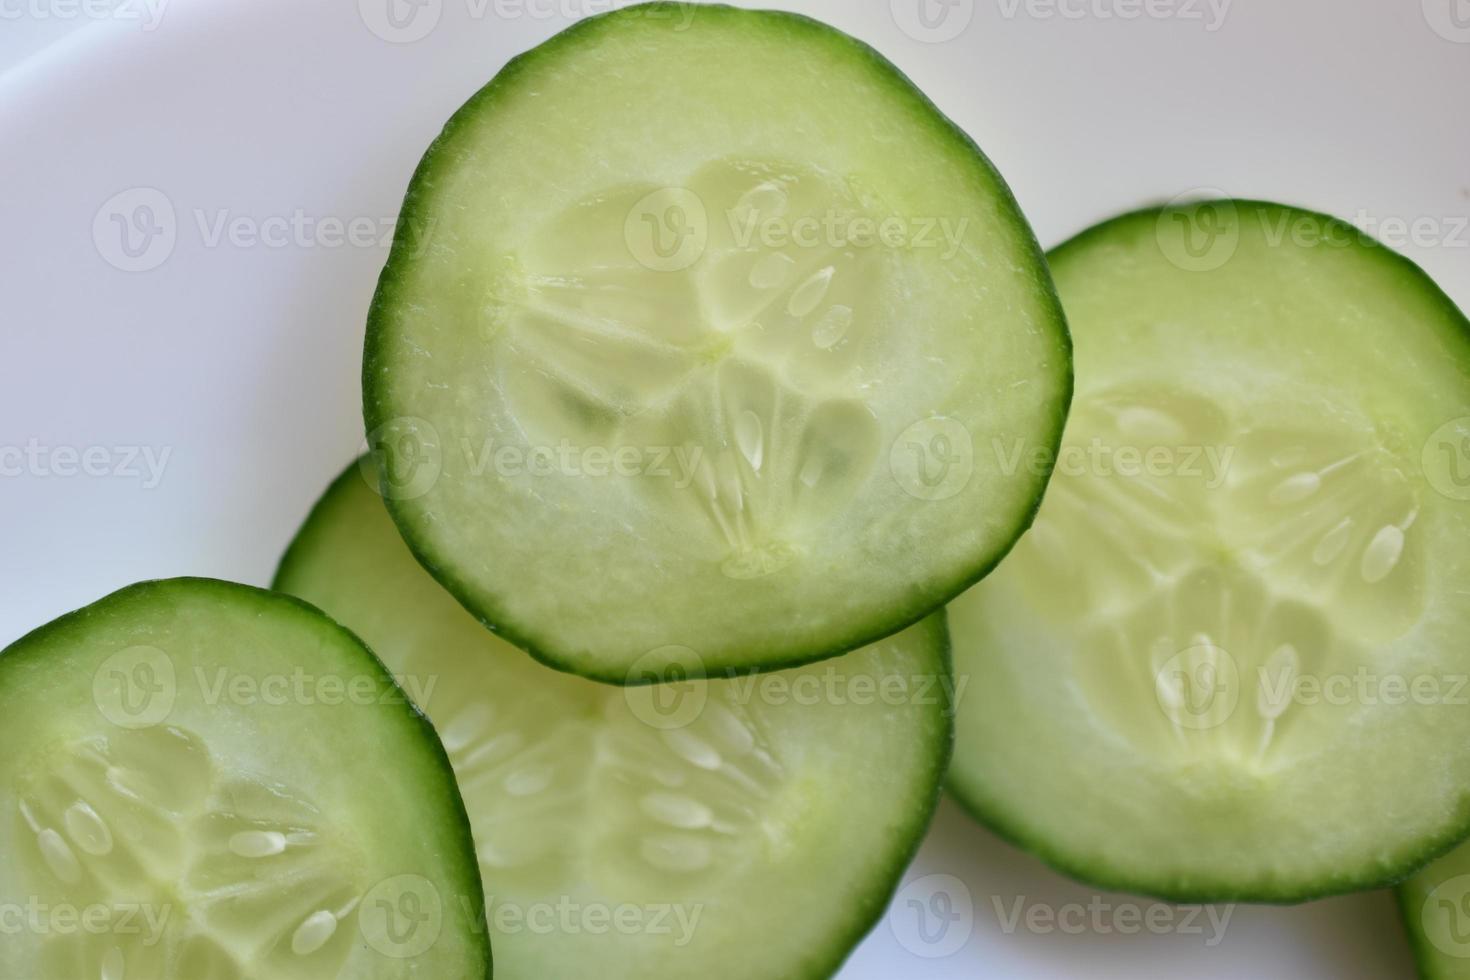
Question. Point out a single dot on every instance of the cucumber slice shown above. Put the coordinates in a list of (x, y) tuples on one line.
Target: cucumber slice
[(694, 317), (751, 827), (187, 796), (1237, 676), (1435, 903)]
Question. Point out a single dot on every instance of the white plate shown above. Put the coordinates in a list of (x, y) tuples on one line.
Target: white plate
[(213, 391)]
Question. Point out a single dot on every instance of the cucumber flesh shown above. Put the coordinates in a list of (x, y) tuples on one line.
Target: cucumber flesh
[(1238, 677), (195, 786), (714, 310), (751, 827)]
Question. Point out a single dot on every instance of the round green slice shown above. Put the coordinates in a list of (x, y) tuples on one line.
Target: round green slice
[(1229, 660), (696, 331), (750, 827), (204, 781)]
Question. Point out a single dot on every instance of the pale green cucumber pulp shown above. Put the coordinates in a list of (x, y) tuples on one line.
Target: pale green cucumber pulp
[(1229, 659), (751, 827), (204, 781), (694, 321)]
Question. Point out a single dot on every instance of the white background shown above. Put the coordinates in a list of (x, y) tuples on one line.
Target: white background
[(241, 360)]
